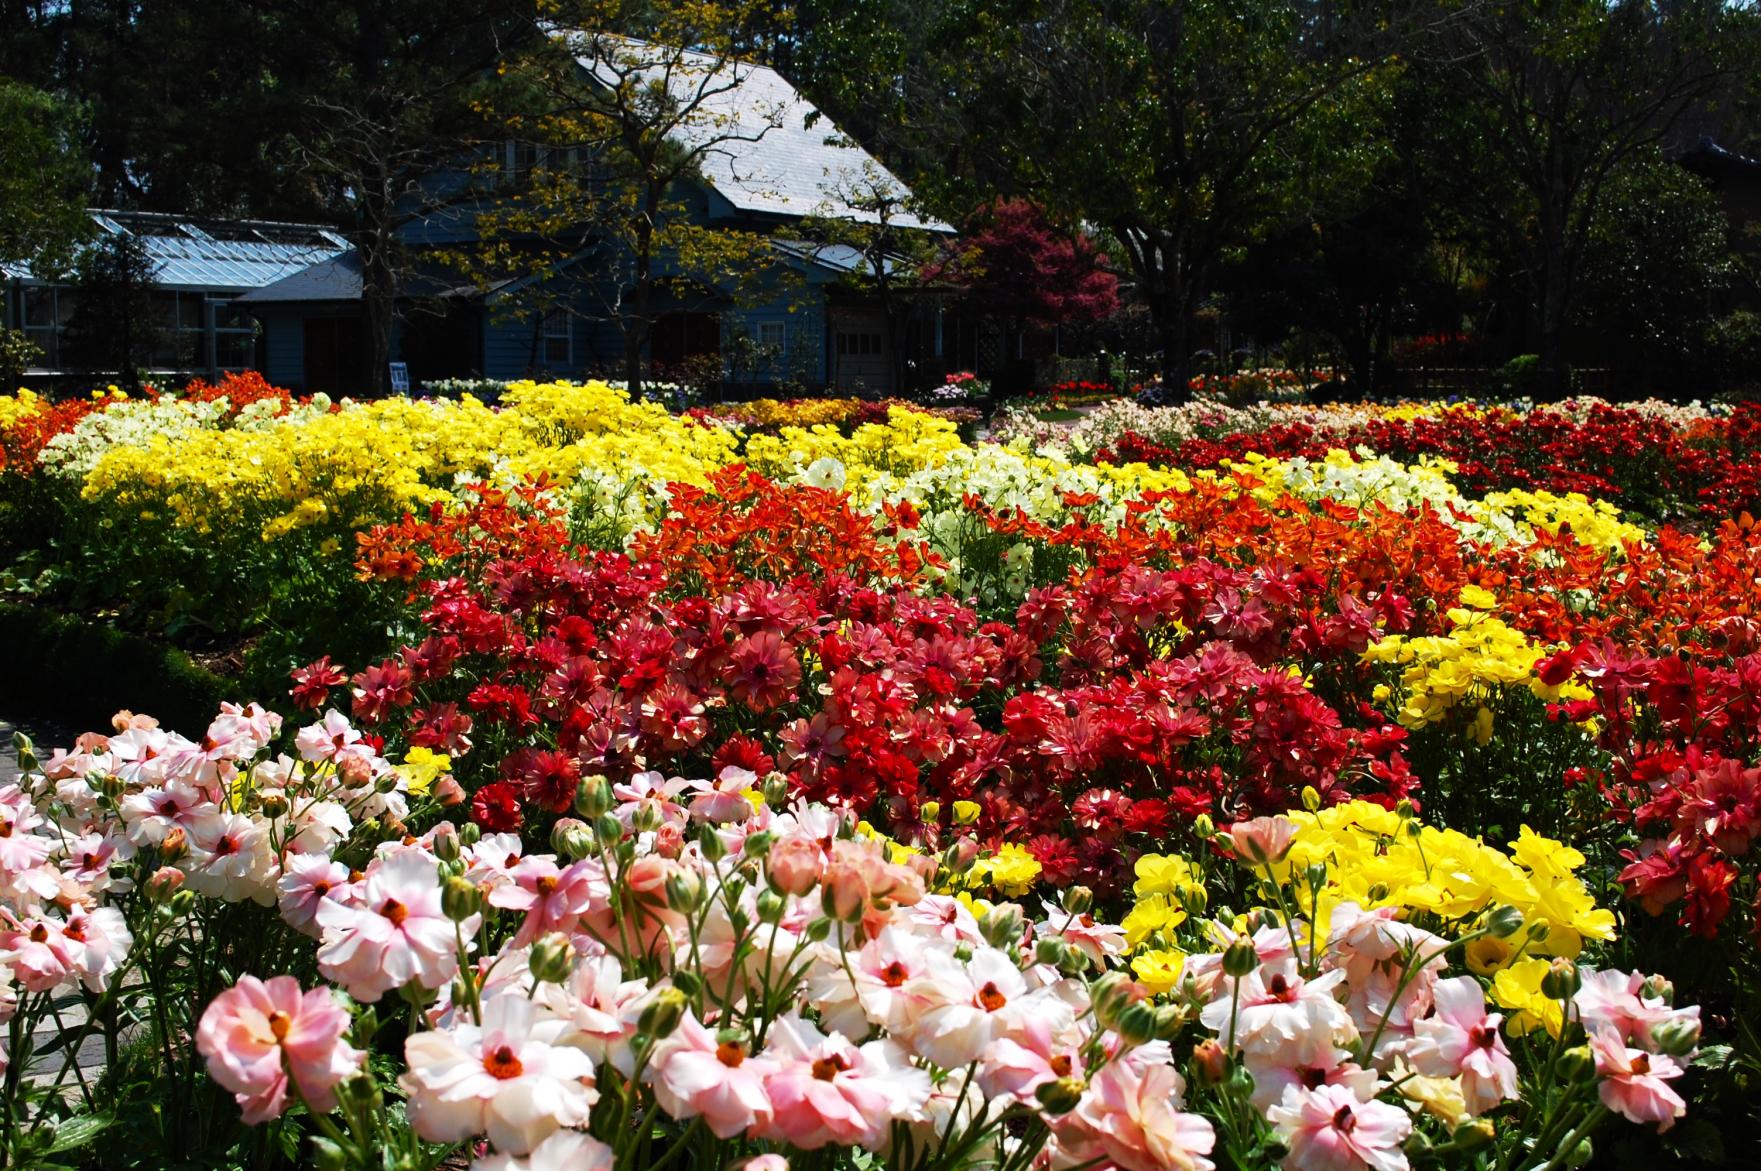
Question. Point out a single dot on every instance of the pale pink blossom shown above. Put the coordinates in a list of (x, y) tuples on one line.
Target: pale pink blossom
[(1635, 1084), (1312, 1057), (1099, 942), (1136, 1118), (874, 985), (968, 1005), (552, 899), (945, 917), (1375, 950), (566, 1150), (826, 1090), (1263, 841), (723, 799), (306, 883), (329, 738), (21, 846), (1043, 1048), (96, 942), (1274, 1006), (231, 858), (150, 814), (1462, 1040), (394, 931), (257, 1035), (1329, 1128), (1610, 999), (649, 791), (506, 1079), (694, 1075), (600, 1007), (41, 958)]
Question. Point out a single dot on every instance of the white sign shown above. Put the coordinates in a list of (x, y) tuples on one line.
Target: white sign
[(400, 378)]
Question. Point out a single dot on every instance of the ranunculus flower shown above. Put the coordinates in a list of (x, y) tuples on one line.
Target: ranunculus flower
[(1635, 1084), (566, 1150), (826, 1090), (1462, 1040), (507, 1079), (259, 1034), (394, 931), (694, 1075), (1329, 1128), (1135, 1115)]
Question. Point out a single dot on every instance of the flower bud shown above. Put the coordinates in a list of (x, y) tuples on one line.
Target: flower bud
[(1111, 994), (1240, 958), (710, 842), (1577, 1065), (362, 1090), (164, 883), (776, 790), (646, 818), (1002, 925), (552, 958), (460, 899), (1311, 798), (770, 906), (960, 856), (1050, 950), (25, 751), (1405, 808), (416, 996), (571, 839), (1170, 1019), (1676, 1037), (1560, 981), (182, 903), (1078, 900), (687, 981), (327, 1156), (818, 930), (109, 784), (1660, 987), (1475, 1134), (1377, 892), (446, 842), (1137, 1023), (1580, 1155), (967, 812), (1210, 1064), (1193, 898), (385, 784), (929, 811), (448, 792), (1060, 1096), (274, 806), (663, 1012), (758, 845), (684, 892), (1504, 921), (174, 845), (610, 831), (1203, 828), (593, 796), (470, 834)]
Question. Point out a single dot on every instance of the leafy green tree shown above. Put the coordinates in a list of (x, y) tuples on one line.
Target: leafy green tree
[(1547, 105), (43, 179), (1184, 130)]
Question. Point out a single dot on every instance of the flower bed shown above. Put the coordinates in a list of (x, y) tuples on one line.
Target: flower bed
[(680, 793)]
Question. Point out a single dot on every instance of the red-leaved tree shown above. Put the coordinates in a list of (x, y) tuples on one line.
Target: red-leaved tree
[(1016, 265)]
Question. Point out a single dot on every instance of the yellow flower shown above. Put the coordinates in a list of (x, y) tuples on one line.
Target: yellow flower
[(1518, 989), (422, 767), (1011, 870), (1159, 969)]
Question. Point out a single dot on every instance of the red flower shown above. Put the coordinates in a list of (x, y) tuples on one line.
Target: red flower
[(312, 683), (496, 808), (1708, 899), (763, 670)]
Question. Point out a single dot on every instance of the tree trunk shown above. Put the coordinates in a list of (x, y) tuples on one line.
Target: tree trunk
[(378, 286), (1174, 326)]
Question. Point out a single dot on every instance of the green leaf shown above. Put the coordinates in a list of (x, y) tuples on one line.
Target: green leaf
[(80, 1131)]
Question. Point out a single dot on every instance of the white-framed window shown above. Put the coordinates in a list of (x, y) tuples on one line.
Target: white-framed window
[(235, 335), (46, 313), (558, 339), (773, 336)]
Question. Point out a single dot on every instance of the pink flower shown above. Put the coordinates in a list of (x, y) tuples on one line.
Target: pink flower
[(1462, 1040), (1615, 1000), (328, 739), (1313, 1057), (968, 1005), (96, 942), (566, 1150), (694, 1075), (1329, 1128), (507, 1079), (826, 1090), (1135, 1116), (723, 799), (306, 883), (1045, 1048), (394, 931), (257, 1034), (1634, 1082), (876, 986), (794, 864), (762, 1163), (1274, 1007), (40, 957), (553, 899), (1263, 841)]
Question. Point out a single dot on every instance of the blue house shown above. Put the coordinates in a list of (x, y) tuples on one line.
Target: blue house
[(808, 324)]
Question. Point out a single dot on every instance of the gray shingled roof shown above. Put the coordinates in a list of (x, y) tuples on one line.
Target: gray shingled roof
[(795, 163), (218, 254)]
